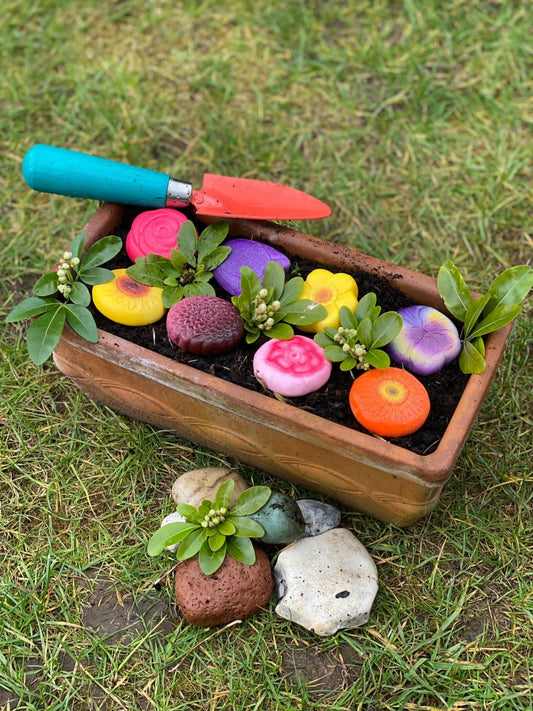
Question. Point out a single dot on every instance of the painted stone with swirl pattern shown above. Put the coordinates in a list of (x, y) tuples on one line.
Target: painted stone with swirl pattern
[(293, 367), (205, 325), (154, 232)]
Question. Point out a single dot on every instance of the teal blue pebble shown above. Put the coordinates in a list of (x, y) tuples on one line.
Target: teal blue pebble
[(281, 518)]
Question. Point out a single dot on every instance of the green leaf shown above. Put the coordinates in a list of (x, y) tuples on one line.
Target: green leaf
[(223, 495), (198, 289), (31, 307), (189, 512), (171, 295), (282, 331), (274, 277), (479, 344), (168, 535), (386, 328), (188, 242), (364, 332), (251, 500), (304, 312), (242, 549), (100, 252), (453, 290), (250, 286), (82, 321), (44, 333), (80, 294), (217, 540), (292, 290), (471, 360), (500, 316), (252, 336), (334, 353), (323, 339), (348, 363), (96, 275), (78, 243), (511, 286), (247, 527), (192, 543), (364, 308), (209, 560), (216, 257), (347, 318), (177, 260), (211, 238), (204, 508), (227, 528), (473, 313), (377, 359), (46, 285)]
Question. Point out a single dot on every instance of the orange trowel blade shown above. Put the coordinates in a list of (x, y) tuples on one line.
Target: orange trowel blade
[(222, 196)]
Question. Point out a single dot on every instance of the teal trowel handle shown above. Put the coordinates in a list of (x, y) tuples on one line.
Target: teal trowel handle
[(64, 172)]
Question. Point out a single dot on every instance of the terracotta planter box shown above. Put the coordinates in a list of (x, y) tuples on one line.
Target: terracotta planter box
[(362, 472)]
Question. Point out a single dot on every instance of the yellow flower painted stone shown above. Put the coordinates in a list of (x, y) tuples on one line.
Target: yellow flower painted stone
[(125, 301), (332, 291)]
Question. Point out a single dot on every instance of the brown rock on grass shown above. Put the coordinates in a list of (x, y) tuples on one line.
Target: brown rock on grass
[(234, 592)]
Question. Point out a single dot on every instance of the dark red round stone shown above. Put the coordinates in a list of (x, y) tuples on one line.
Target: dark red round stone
[(205, 325)]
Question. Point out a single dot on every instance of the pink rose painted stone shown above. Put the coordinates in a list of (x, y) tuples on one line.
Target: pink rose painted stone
[(291, 368), (427, 341), (154, 232), (206, 325), (246, 253)]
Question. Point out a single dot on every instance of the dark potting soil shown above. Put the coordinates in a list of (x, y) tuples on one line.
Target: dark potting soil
[(331, 401)]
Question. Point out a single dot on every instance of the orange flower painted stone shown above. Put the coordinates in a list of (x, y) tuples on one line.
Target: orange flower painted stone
[(128, 302), (389, 402), (332, 291)]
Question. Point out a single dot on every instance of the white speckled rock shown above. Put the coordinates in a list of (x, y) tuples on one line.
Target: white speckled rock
[(198, 484), (318, 516), (172, 518), (326, 583)]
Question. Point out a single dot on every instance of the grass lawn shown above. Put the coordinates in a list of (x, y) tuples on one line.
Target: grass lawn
[(413, 121)]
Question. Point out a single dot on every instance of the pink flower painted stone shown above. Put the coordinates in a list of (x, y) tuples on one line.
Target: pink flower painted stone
[(291, 368), (154, 232), (205, 325), (246, 253), (427, 342)]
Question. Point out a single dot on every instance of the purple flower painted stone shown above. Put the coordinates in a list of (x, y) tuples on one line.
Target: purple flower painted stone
[(206, 325), (293, 367), (427, 342), (246, 253)]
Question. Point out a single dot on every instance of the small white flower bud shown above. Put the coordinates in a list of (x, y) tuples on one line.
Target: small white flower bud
[(346, 348), (263, 294), (269, 323)]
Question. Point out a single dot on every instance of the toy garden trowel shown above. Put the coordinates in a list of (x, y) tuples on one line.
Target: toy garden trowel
[(64, 172)]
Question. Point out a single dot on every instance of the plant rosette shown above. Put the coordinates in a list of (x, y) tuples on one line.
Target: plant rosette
[(359, 339), (61, 296), (485, 314), (215, 530)]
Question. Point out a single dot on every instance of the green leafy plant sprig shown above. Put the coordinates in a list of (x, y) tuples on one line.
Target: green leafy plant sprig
[(270, 306), (358, 340), (214, 529), (485, 314), (189, 269), (61, 296)]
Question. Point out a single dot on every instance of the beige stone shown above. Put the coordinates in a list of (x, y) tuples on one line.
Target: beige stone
[(194, 486)]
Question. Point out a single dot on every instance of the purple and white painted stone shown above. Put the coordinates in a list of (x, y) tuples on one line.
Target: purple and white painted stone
[(427, 341)]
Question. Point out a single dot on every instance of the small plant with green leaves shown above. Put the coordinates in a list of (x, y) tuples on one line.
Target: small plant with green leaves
[(214, 529), (61, 296), (190, 267), (358, 340), (480, 316), (270, 306)]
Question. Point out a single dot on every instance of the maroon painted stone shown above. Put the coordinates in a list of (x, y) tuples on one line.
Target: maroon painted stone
[(234, 592), (205, 325)]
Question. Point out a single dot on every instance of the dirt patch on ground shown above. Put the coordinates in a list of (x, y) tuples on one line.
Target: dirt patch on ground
[(323, 671)]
